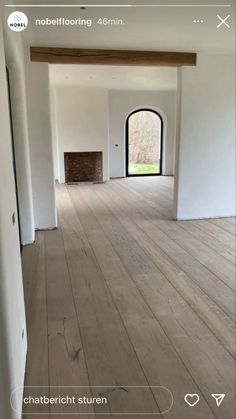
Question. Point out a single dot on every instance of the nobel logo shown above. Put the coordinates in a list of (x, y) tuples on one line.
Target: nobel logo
[(18, 25), (17, 21)]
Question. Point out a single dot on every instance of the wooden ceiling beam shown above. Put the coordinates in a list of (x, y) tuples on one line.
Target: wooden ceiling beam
[(55, 55)]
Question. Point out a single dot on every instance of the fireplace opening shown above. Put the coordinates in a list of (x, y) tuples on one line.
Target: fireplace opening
[(83, 166)]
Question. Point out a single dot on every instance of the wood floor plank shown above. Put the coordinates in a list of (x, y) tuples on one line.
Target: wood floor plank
[(221, 325), (121, 296), (37, 372), (231, 221), (177, 318), (201, 252), (208, 239), (219, 233), (67, 366), (162, 211), (224, 224), (30, 255), (151, 213), (144, 330), (155, 189), (111, 360), (205, 279)]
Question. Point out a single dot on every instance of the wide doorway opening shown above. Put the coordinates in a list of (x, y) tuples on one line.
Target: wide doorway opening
[(144, 132)]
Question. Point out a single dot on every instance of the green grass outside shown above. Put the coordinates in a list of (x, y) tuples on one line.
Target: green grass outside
[(143, 169)]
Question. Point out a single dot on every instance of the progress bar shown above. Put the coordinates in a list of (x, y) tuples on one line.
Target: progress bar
[(119, 5)]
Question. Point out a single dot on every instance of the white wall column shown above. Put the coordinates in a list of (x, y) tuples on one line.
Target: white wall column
[(54, 133), (12, 311), (22, 156), (205, 185), (15, 64), (41, 150), (177, 139)]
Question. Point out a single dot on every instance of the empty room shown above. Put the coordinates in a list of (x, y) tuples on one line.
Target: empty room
[(117, 210)]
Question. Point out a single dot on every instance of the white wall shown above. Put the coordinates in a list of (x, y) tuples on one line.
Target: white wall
[(206, 169), (41, 152), (83, 116), (12, 315), (177, 139), (82, 123), (15, 63), (54, 133), (121, 104)]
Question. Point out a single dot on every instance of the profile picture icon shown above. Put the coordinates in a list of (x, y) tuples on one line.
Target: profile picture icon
[(17, 21)]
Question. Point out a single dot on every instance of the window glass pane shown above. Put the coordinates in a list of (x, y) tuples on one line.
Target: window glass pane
[(144, 143)]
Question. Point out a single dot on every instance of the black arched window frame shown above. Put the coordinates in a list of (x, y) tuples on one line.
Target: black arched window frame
[(127, 143)]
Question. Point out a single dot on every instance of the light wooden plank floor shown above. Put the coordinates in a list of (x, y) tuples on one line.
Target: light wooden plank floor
[(121, 295)]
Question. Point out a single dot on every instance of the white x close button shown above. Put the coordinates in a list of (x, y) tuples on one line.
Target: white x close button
[(223, 21)]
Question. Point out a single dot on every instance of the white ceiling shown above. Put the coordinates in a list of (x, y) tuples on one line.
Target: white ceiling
[(151, 28), (114, 77)]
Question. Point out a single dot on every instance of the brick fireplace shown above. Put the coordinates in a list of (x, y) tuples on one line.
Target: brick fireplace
[(83, 166)]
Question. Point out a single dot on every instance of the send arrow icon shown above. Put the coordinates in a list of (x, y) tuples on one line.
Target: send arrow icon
[(218, 398)]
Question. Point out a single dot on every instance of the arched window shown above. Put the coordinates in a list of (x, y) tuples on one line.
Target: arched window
[(144, 143)]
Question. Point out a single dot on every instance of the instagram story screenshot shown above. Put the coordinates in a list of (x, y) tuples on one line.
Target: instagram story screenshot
[(117, 209)]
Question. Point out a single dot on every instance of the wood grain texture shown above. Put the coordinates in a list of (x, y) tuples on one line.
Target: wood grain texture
[(111, 358), (146, 300), (66, 352), (54, 55), (37, 368)]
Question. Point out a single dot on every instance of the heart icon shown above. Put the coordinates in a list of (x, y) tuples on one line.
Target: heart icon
[(191, 399)]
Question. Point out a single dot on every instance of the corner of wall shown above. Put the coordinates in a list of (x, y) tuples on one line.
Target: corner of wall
[(16, 66), (41, 148), (177, 142), (12, 309)]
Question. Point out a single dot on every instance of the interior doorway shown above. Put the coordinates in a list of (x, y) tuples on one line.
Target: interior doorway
[(144, 132)]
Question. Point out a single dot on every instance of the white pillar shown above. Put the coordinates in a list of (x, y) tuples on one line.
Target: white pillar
[(12, 311), (41, 150), (22, 155), (206, 163)]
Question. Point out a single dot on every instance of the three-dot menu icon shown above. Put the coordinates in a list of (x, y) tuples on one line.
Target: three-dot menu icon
[(198, 21)]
